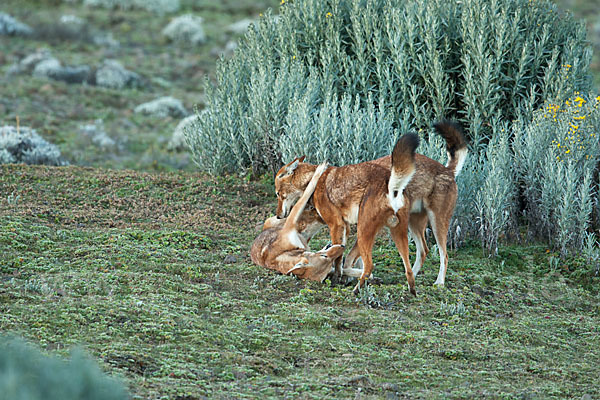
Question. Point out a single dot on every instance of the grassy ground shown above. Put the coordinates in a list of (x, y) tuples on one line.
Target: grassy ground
[(131, 266)]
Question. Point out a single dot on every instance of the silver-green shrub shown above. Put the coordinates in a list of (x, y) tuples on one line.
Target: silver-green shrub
[(305, 76), (556, 156), (495, 199), (26, 374)]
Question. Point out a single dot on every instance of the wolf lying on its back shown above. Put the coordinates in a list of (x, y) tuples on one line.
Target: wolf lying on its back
[(281, 246)]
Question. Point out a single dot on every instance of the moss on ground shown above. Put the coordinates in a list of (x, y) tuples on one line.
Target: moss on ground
[(131, 266)]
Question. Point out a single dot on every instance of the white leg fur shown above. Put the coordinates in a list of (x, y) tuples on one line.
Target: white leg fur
[(442, 272), (419, 260)]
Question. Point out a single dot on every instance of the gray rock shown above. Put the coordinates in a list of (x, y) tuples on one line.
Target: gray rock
[(163, 107), (106, 40), (98, 135), (177, 141), (51, 68), (240, 27), (157, 6), (75, 74), (72, 23), (27, 64), (24, 145), (112, 74), (11, 27), (230, 259), (47, 67), (186, 28)]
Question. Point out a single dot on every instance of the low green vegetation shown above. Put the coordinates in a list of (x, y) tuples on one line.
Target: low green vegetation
[(131, 266)]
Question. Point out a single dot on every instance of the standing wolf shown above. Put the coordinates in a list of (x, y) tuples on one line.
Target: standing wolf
[(430, 193)]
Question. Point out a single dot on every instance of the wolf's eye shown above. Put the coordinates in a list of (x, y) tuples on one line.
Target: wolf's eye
[(324, 255)]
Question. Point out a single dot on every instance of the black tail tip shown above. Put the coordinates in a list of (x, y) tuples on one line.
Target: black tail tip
[(453, 133), (448, 125), (407, 142)]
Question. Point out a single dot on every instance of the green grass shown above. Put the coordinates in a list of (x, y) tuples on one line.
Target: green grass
[(130, 266)]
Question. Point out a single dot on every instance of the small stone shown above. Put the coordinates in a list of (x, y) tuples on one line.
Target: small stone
[(177, 141), (240, 27), (112, 74), (230, 259), (359, 380), (163, 107), (11, 27), (186, 28)]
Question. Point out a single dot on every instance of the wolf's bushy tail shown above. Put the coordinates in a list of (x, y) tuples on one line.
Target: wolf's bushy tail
[(456, 146), (292, 219), (403, 168)]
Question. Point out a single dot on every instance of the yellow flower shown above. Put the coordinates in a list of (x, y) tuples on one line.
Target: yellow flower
[(579, 100), (568, 151), (282, 2), (328, 15)]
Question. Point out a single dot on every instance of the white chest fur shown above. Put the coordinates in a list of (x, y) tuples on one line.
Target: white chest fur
[(294, 238)]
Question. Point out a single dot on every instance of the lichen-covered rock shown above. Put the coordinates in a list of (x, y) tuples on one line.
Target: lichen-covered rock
[(186, 28), (163, 107), (42, 64), (241, 26), (28, 64), (112, 74), (177, 141), (51, 68), (11, 27), (98, 135), (47, 67), (72, 23), (24, 145), (106, 40), (157, 6)]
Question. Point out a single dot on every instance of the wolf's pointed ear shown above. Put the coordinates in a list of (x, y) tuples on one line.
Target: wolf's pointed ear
[(303, 264), (301, 159), (291, 168)]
